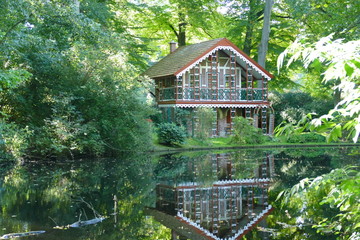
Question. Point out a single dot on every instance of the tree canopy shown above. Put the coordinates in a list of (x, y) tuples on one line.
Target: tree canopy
[(69, 75)]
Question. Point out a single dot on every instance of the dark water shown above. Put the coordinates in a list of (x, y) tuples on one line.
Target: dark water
[(192, 195)]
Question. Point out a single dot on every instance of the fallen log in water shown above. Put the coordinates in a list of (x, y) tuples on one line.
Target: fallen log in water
[(17, 235), (98, 218), (82, 223), (88, 222)]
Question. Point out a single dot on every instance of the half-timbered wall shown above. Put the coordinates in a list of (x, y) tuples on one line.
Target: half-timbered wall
[(216, 78), (217, 71)]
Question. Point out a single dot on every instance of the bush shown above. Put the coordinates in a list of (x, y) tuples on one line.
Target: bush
[(292, 106), (171, 134), (329, 204), (14, 140), (306, 137), (246, 133), (62, 137)]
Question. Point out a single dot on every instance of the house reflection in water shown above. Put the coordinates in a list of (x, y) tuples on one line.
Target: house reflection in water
[(227, 208)]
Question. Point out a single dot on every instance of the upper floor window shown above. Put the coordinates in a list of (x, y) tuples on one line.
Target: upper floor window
[(193, 80), (229, 81)]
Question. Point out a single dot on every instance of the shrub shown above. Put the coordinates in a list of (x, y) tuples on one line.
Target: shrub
[(305, 138), (246, 133), (292, 106), (171, 134), (13, 140), (62, 137), (330, 204)]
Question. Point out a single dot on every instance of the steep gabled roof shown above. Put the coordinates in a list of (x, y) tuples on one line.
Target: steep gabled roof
[(186, 56), (181, 57)]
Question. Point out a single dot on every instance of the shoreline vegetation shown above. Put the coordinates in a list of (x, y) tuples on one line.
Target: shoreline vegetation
[(225, 143)]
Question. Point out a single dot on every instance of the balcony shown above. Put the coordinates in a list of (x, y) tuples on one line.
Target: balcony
[(207, 94)]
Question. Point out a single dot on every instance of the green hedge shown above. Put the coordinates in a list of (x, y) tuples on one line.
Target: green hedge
[(306, 137), (171, 134)]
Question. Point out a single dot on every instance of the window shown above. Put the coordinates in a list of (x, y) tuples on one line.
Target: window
[(229, 81), (191, 80), (221, 79), (238, 77), (212, 78), (187, 79), (203, 81)]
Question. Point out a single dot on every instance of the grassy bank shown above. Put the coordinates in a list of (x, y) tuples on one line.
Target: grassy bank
[(225, 142)]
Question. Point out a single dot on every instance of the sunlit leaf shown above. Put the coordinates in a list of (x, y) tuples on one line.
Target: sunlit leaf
[(349, 70)]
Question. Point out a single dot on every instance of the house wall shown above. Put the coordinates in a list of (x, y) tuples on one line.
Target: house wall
[(222, 74), (217, 78)]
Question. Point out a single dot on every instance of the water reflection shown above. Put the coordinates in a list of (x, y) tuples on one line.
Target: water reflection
[(198, 195), (216, 203)]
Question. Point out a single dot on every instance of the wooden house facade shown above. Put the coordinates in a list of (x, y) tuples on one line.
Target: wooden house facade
[(213, 74)]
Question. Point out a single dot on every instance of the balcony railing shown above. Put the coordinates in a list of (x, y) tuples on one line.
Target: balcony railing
[(207, 94)]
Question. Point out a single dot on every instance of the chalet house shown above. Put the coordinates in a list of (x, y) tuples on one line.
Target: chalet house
[(213, 74)]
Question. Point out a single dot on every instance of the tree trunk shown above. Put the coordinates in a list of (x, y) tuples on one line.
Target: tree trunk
[(263, 47), (181, 35), (182, 29), (252, 15), (248, 38)]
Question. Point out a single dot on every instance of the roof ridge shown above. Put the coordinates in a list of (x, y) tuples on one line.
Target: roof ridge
[(203, 42), (207, 41), (183, 57)]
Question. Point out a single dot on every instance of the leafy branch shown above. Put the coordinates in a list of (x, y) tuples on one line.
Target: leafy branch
[(341, 61)]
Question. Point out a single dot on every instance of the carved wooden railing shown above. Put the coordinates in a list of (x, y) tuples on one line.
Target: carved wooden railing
[(207, 94)]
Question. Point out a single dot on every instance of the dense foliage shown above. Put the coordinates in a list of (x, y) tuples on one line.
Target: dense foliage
[(306, 138), (245, 133), (69, 86), (329, 203), (171, 134), (292, 106), (342, 61), (205, 118)]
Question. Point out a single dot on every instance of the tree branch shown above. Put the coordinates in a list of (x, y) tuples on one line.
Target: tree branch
[(259, 14), (174, 30), (341, 30), (206, 32), (325, 12), (10, 29), (279, 16)]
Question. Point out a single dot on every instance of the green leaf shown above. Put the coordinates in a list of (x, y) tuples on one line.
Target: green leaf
[(349, 70), (356, 63)]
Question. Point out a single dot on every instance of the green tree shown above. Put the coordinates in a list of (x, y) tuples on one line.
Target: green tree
[(75, 69), (341, 62), (171, 134), (183, 21), (245, 133), (320, 18), (329, 203), (263, 47)]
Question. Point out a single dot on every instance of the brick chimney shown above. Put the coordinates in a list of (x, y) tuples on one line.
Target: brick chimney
[(173, 46)]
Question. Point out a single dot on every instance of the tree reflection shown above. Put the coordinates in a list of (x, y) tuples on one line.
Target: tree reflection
[(33, 193), (40, 195)]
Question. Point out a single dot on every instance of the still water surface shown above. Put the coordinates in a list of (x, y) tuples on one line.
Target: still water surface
[(191, 195)]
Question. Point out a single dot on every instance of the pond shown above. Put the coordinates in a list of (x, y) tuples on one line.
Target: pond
[(188, 195)]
